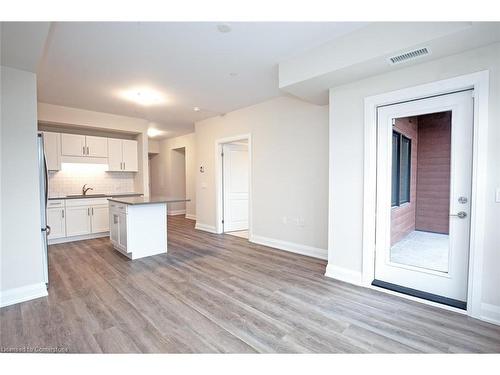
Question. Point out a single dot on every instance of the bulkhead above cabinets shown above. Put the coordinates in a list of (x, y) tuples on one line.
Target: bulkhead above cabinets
[(119, 154)]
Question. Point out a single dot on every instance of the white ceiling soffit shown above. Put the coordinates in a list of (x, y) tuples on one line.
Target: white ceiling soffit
[(23, 44), (192, 64), (365, 53)]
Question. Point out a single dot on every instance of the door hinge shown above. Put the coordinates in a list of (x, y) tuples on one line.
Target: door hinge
[(222, 154), (222, 221), (393, 121)]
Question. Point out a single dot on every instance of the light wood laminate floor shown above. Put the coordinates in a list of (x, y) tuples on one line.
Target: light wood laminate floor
[(220, 293)]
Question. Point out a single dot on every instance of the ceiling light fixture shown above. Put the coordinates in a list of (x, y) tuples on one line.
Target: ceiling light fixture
[(224, 28), (152, 132), (196, 109), (143, 96)]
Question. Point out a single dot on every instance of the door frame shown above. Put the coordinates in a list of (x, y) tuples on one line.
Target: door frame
[(479, 82), (219, 199)]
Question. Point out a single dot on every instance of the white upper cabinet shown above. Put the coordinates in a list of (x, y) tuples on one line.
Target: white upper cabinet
[(115, 154), (122, 155), (96, 147), (73, 145), (81, 145), (130, 156), (51, 145)]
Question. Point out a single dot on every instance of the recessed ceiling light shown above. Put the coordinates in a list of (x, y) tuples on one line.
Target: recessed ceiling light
[(143, 96), (152, 132), (224, 28), (233, 74), (196, 109)]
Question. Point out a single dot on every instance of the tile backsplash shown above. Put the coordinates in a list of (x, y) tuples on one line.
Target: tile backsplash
[(71, 178)]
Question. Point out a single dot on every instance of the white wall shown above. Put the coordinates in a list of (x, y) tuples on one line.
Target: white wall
[(165, 180), (21, 246), (289, 171), (346, 158), (67, 116)]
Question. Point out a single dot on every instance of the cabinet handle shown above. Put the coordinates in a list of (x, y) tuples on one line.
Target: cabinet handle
[(62, 214), (83, 150), (88, 153), (92, 211), (88, 211)]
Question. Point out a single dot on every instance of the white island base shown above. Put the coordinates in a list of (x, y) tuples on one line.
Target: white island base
[(138, 227), (138, 231)]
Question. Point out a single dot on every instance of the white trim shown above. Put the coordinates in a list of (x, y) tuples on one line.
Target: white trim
[(490, 313), (176, 212), (478, 81), (218, 179), (190, 216), (77, 238), (292, 247), (25, 293), (343, 274), (205, 227)]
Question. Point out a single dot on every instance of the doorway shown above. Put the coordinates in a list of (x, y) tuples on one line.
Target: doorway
[(177, 180), (233, 186), (424, 179)]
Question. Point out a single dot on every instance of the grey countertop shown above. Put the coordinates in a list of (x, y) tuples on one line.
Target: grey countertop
[(147, 200), (97, 196)]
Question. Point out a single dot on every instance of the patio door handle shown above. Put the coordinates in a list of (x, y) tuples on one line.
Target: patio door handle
[(460, 215)]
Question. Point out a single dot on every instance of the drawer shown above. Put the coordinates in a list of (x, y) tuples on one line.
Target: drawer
[(117, 207), (86, 202), (55, 203)]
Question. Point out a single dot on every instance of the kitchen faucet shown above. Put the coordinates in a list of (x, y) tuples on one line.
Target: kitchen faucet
[(84, 190)]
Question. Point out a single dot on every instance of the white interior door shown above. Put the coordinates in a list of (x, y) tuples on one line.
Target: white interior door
[(450, 282), (235, 184)]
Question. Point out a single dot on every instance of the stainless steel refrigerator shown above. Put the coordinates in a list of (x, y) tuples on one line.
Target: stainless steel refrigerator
[(44, 187)]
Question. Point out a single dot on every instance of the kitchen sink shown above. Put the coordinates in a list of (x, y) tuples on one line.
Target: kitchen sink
[(86, 196)]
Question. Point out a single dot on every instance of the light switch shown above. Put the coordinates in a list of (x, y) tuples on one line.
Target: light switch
[(203, 185), (498, 196)]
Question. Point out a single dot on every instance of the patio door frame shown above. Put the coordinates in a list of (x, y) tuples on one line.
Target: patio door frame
[(479, 82)]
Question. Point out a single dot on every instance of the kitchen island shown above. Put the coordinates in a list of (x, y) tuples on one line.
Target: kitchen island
[(138, 225)]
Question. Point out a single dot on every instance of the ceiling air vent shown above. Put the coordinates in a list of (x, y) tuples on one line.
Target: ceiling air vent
[(410, 55)]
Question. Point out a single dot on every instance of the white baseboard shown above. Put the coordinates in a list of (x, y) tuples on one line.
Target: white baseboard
[(25, 293), (205, 227), (292, 247), (190, 217), (490, 313), (78, 238), (176, 212), (344, 274)]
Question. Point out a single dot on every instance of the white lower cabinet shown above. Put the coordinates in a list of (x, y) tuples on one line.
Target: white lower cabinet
[(77, 221), (82, 217), (56, 220), (118, 226), (99, 218)]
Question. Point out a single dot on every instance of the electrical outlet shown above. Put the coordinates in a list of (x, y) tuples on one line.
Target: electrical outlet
[(300, 222), (497, 196)]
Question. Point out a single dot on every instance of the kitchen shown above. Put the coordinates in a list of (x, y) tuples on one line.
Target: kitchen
[(87, 178)]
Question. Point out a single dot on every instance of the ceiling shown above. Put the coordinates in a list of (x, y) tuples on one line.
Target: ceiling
[(86, 64)]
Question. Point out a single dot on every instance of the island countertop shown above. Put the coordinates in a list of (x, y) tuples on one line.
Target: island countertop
[(147, 200)]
